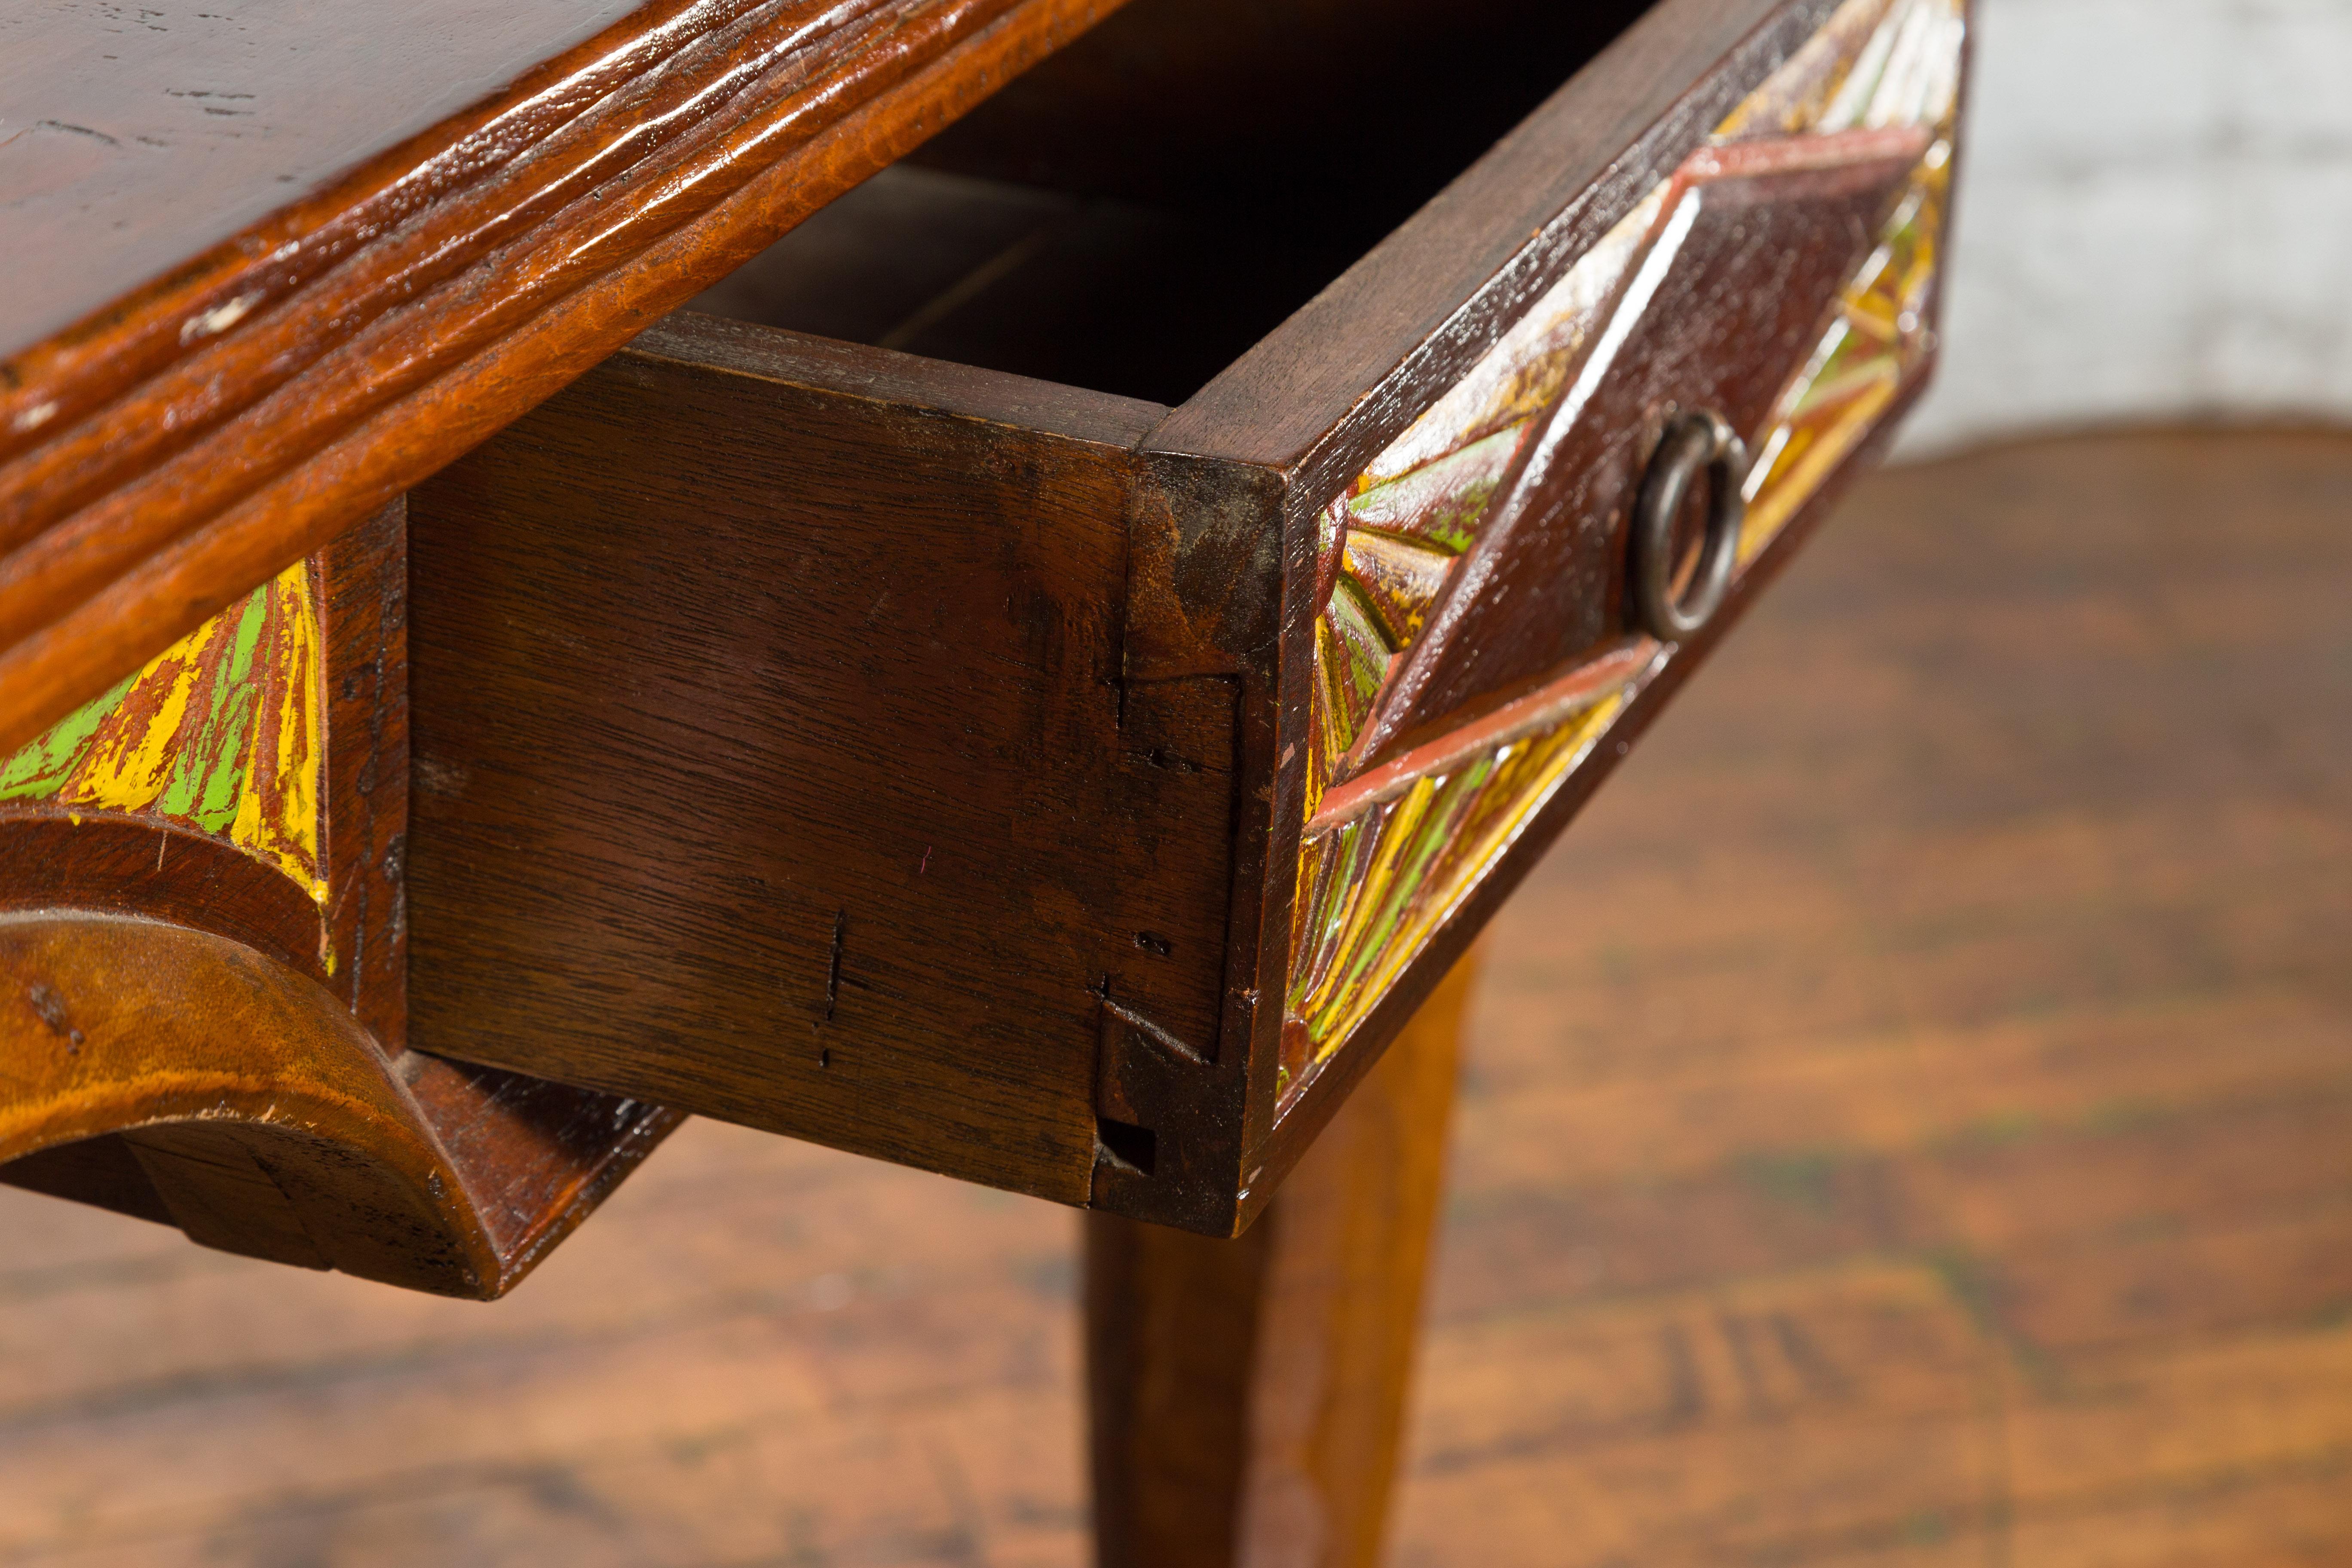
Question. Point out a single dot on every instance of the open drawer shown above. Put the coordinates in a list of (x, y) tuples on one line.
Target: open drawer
[(1071, 787)]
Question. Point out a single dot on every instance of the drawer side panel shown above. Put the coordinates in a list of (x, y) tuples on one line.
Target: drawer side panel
[(767, 749)]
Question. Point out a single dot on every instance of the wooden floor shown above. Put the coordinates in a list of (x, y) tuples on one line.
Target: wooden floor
[(1909, 1123)]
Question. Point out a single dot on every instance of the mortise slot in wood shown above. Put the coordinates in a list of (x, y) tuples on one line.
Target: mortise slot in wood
[(1055, 652), (880, 684), (1128, 1146)]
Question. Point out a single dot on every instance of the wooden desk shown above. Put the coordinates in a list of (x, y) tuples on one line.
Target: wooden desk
[(1070, 780)]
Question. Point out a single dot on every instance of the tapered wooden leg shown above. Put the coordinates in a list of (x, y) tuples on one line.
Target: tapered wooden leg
[(1247, 1397)]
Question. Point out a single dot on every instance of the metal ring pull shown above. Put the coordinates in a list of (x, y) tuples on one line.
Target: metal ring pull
[(1692, 441)]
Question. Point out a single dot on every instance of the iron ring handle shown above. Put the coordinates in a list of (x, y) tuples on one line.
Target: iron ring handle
[(1695, 441)]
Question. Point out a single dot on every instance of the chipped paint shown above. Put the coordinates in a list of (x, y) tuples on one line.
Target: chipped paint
[(221, 732), (217, 319)]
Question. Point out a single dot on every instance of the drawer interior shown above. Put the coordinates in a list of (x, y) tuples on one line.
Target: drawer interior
[(1136, 211), (807, 644)]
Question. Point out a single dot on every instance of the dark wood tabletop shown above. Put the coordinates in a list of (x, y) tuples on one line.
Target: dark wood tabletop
[(137, 138), (266, 360), (461, 713)]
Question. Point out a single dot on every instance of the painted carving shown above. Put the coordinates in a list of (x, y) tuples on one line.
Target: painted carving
[(220, 734), (214, 1061), (1454, 696)]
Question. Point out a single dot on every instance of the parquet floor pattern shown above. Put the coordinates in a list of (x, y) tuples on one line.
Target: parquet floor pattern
[(1908, 1124)]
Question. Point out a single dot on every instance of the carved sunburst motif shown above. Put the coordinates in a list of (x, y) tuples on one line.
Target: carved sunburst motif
[(1385, 860), (220, 732)]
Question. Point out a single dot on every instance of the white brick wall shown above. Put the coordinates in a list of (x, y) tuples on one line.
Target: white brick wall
[(2155, 218)]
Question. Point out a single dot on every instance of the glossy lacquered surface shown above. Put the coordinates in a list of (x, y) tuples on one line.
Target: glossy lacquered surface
[(202, 928), (136, 138), (1247, 1397), (1972, 1087), (867, 653), (159, 457), (1478, 635)]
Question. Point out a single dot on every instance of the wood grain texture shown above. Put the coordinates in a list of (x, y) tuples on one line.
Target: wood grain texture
[(1761, 261), (250, 1083), (264, 1118), (177, 1075), (1728, 344), (1304, 1118), (1247, 1396), (1471, 649), (1986, 1045), (170, 129), (122, 865), (1931, 1162), (171, 450), (363, 580), (200, 790), (1357, 364), (792, 779), (267, 1121), (647, 851), (1185, 571), (1312, 127)]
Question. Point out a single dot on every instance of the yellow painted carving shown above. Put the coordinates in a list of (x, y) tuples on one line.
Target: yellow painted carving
[(220, 732), (1373, 889)]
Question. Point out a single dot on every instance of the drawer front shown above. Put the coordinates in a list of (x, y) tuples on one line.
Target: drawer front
[(1061, 791), (1074, 793), (1475, 655)]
